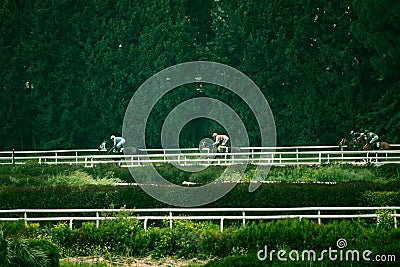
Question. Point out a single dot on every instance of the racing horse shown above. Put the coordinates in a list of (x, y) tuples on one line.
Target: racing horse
[(377, 146), (359, 144), (110, 150), (207, 145), (353, 144), (104, 147)]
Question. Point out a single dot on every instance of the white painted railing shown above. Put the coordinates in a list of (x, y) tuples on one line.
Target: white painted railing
[(301, 155), (172, 214)]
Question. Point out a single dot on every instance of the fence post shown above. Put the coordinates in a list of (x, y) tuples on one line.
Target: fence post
[(222, 224), (244, 217), (145, 223), (25, 218), (170, 220), (395, 219), (97, 221), (319, 217), (71, 223)]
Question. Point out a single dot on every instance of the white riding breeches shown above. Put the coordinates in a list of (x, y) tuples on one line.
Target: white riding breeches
[(120, 143), (373, 140)]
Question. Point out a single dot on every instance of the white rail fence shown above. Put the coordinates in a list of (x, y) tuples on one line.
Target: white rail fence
[(173, 214), (309, 155)]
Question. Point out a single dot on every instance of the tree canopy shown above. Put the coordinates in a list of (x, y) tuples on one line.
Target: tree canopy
[(69, 68)]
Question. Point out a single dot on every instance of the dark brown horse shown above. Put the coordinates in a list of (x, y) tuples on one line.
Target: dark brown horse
[(353, 144), (376, 146)]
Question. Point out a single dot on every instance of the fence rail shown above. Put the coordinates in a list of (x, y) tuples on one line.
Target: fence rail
[(173, 214), (300, 155)]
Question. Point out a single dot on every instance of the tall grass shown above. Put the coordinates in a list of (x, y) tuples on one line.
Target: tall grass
[(322, 173), (80, 178), (108, 174)]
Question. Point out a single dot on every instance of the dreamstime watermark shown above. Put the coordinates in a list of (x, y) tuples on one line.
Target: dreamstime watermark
[(152, 91), (340, 253)]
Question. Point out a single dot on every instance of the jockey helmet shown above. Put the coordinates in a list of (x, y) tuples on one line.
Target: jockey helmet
[(214, 134), (112, 137)]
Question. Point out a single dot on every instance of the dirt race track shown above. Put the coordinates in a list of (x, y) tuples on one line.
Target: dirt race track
[(137, 262)]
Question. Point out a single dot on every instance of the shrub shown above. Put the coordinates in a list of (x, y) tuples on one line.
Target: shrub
[(388, 171), (159, 242), (381, 198), (50, 249), (385, 220), (22, 252), (13, 228)]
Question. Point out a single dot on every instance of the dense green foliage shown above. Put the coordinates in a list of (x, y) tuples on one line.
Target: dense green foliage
[(33, 174), (268, 195), (52, 186), (188, 239), (17, 251), (69, 68), (62, 186)]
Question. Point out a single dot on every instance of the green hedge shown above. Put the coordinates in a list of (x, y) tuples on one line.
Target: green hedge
[(267, 195), (61, 186)]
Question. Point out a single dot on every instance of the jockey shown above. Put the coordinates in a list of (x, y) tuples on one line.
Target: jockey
[(371, 138), (118, 142), (355, 137), (220, 138), (355, 134)]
